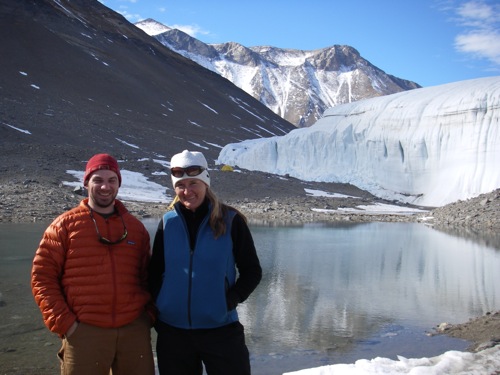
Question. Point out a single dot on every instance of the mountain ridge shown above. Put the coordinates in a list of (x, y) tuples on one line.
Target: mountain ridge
[(297, 85)]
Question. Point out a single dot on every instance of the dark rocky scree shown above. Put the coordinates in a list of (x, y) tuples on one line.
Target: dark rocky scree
[(477, 213)]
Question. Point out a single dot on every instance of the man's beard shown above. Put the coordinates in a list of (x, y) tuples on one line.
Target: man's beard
[(105, 202)]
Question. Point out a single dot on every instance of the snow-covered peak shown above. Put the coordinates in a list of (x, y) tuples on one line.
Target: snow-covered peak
[(283, 57), (152, 27), (295, 84), (428, 146)]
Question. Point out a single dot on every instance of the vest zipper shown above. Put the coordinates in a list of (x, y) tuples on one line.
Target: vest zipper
[(192, 248), (191, 253)]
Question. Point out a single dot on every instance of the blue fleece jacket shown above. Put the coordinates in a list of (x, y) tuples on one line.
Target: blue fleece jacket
[(196, 279)]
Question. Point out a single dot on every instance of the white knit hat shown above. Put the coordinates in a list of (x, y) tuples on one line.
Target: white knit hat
[(189, 159)]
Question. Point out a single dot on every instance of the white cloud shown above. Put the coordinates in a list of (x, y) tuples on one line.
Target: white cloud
[(123, 10), (477, 12), (132, 17), (191, 30), (481, 36), (481, 44)]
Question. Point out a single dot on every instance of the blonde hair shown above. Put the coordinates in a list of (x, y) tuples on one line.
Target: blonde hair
[(219, 211)]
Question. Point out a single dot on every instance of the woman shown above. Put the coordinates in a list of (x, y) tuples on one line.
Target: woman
[(203, 264)]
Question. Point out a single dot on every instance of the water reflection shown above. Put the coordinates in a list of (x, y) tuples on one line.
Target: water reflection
[(329, 293), (339, 287)]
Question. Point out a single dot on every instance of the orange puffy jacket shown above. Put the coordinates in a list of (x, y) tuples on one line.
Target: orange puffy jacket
[(75, 277)]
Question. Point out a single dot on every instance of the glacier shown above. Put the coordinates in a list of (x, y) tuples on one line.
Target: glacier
[(429, 146)]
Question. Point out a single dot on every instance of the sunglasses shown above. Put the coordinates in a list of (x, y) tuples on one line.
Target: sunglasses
[(192, 171), (104, 240)]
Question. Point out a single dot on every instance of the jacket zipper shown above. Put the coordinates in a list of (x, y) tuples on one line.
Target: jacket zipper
[(113, 274)]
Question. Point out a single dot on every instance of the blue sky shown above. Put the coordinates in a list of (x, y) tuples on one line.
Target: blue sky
[(431, 42)]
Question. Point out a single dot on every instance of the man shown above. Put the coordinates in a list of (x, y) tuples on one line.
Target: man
[(89, 278)]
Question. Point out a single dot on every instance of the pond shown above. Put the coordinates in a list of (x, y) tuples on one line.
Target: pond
[(329, 294)]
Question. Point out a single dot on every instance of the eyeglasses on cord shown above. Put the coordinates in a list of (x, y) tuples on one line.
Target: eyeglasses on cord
[(103, 239)]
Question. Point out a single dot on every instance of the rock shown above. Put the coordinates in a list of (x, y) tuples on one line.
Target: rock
[(443, 327)]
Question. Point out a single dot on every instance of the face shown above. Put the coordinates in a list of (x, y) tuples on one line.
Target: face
[(103, 187), (191, 192)]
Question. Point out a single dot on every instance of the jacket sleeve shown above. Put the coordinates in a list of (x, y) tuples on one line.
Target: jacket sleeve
[(157, 263), (247, 263), (46, 274)]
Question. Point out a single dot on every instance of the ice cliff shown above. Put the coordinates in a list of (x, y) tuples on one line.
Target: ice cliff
[(428, 146)]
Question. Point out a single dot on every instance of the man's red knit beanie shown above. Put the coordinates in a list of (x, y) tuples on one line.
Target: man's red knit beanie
[(101, 161)]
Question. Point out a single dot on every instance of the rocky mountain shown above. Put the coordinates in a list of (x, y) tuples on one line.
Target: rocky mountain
[(77, 78), (297, 85)]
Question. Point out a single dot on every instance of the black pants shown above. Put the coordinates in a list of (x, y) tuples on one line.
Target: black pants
[(222, 350)]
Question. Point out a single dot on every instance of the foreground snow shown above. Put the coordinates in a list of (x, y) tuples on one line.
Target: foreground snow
[(485, 362), (429, 146)]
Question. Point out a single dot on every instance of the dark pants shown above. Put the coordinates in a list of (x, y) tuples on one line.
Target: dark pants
[(222, 350)]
